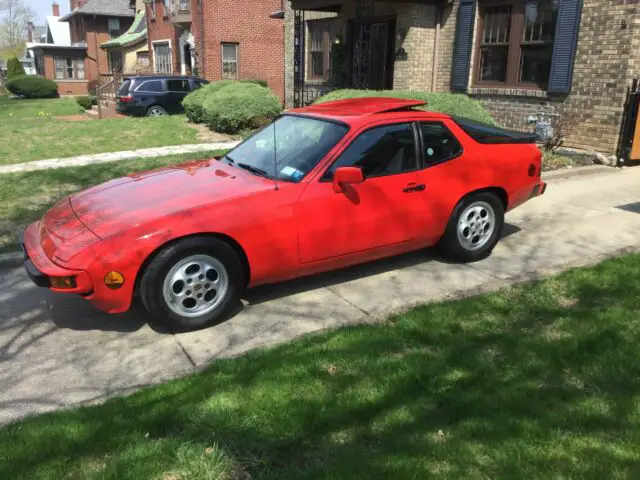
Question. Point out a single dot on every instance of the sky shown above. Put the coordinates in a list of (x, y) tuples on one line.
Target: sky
[(43, 8)]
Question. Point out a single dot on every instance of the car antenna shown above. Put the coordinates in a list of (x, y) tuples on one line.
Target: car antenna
[(275, 154)]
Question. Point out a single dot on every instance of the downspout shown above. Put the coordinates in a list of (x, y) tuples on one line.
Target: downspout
[(95, 42), (436, 48), (202, 40)]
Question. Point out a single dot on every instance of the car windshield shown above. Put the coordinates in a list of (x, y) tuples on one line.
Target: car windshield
[(300, 143)]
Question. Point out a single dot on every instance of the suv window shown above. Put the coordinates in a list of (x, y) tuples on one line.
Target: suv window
[(124, 88), (386, 150), (178, 85), (439, 143), (151, 86)]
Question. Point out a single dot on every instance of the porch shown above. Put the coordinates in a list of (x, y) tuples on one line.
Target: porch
[(361, 44)]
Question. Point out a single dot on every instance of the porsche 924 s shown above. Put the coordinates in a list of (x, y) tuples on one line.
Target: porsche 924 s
[(320, 188)]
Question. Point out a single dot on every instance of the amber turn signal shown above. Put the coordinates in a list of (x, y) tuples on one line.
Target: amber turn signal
[(62, 283), (114, 280)]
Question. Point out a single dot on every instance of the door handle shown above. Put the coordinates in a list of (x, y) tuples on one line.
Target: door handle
[(414, 187)]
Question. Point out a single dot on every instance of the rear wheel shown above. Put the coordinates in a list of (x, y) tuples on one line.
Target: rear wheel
[(156, 111), (190, 284), (474, 227)]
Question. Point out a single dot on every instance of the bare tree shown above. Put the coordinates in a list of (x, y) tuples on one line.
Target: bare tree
[(14, 18)]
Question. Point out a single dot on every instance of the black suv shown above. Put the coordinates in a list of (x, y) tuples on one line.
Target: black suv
[(155, 95)]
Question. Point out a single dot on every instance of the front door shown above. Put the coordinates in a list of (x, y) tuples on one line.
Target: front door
[(387, 209), (177, 89)]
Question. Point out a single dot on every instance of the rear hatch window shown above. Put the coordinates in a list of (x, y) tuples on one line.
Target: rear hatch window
[(124, 88), (485, 133)]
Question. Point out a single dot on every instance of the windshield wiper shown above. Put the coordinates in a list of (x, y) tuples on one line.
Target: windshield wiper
[(254, 170), (229, 159)]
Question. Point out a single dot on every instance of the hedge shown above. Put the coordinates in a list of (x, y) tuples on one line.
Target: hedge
[(85, 102), (31, 86), (232, 106), (456, 104)]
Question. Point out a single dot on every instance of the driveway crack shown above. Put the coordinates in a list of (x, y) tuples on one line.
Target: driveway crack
[(184, 351)]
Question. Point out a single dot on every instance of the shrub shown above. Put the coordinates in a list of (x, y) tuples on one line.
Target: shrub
[(31, 86), (193, 103), (239, 106), (14, 68), (85, 102), (456, 104), (262, 83)]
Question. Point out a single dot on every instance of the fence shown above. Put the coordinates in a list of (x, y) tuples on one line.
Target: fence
[(629, 143)]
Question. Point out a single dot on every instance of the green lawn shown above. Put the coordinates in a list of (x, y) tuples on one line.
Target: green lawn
[(538, 381), (24, 197), (30, 131)]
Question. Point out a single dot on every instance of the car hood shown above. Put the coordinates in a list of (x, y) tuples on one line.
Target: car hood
[(130, 201)]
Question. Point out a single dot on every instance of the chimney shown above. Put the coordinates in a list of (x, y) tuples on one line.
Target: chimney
[(30, 28), (55, 9)]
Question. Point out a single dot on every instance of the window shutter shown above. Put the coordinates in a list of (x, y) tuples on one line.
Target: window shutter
[(462, 45), (564, 47)]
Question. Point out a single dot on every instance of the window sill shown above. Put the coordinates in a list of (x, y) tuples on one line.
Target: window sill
[(508, 91)]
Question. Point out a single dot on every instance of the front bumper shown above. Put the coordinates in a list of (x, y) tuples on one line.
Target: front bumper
[(40, 268)]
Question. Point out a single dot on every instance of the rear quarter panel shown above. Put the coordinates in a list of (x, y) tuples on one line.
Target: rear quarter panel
[(503, 166)]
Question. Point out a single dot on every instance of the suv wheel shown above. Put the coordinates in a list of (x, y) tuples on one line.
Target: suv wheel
[(156, 111)]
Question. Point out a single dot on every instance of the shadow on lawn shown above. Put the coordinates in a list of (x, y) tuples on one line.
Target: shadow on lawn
[(539, 381)]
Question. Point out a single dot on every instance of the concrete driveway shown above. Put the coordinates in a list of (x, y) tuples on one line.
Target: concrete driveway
[(57, 351)]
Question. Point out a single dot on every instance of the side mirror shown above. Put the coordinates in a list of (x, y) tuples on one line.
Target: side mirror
[(346, 176)]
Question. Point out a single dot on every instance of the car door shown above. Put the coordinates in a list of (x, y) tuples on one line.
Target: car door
[(177, 89), (444, 174), (388, 208)]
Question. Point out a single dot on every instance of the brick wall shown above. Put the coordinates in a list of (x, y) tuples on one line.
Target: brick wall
[(260, 40), (160, 28), (606, 61)]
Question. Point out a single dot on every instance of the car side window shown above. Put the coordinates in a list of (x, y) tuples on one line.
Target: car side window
[(151, 86), (178, 85), (439, 143), (380, 151)]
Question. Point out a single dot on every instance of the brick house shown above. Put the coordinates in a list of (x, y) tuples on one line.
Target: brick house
[(94, 22), (569, 58), (55, 57), (218, 39)]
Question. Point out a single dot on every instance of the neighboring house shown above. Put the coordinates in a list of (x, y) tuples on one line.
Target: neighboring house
[(57, 58), (218, 39), (94, 22), (570, 58), (132, 45)]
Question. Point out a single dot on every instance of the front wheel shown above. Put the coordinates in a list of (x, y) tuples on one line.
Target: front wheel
[(474, 227), (190, 284)]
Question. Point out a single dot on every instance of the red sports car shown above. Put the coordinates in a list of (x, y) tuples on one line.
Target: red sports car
[(320, 188)]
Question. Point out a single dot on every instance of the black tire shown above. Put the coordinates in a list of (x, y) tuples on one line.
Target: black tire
[(153, 277), (156, 111), (450, 243)]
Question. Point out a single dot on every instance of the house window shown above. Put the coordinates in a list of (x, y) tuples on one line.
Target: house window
[(515, 42), (322, 35), (69, 68), (153, 8), (230, 60), (166, 4), (142, 59), (114, 27), (162, 57)]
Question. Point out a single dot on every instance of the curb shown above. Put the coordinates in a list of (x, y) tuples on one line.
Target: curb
[(11, 259), (566, 173)]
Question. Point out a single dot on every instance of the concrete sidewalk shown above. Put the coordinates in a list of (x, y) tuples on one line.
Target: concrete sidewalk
[(57, 351), (114, 156)]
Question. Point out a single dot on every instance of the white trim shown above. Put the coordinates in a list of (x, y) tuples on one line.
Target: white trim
[(153, 53)]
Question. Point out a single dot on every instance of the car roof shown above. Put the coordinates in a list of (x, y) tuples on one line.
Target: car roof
[(352, 110), (160, 77)]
